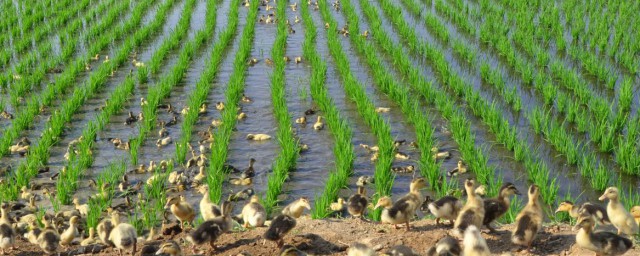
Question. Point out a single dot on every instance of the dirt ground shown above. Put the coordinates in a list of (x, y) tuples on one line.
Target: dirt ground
[(333, 236)]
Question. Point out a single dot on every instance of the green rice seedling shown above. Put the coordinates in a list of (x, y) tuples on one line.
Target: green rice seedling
[(600, 178), (515, 205)]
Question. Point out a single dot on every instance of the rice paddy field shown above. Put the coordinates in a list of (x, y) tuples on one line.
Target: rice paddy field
[(529, 92)]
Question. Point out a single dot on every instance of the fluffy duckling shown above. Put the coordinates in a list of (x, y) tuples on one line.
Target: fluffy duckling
[(25, 193), (298, 59), (382, 110), (337, 206), (68, 235), (241, 116), (405, 208), (241, 181), (596, 211), (603, 242), (301, 120), (220, 105), (21, 150), (494, 208), (359, 249), (280, 226), (446, 246), (472, 213), (163, 142), (296, 208), (619, 216), (49, 238), (357, 203), (390, 215), (319, 125), (258, 137), (89, 240), (364, 180), (635, 212), (253, 213), (474, 244), (210, 230), (365, 34), (208, 209), (170, 247), (529, 220), (241, 195), (446, 208), (245, 98), (181, 209), (401, 156), (370, 148), (106, 59), (403, 169), (250, 171), (7, 233), (104, 229), (461, 168), (200, 176), (34, 232), (123, 236), (83, 209)]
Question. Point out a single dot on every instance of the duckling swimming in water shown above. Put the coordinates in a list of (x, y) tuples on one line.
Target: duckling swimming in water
[(458, 170), (258, 137), (319, 125)]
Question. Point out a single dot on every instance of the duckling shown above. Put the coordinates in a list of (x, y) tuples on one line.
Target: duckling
[(446, 208), (6, 115), (200, 176), (89, 240), (359, 249), (7, 233), (253, 213), (382, 110), (210, 230), (104, 228), (143, 102), (596, 211), (403, 169), (458, 170), (619, 216), (603, 242), (441, 155), (472, 213), (357, 203), (96, 57), (131, 118), (220, 105), (106, 59), (241, 116), (208, 210), (297, 19), (364, 179), (319, 125), (635, 212), (400, 250), (33, 233), (268, 61), (170, 247), (301, 120), (241, 181), (365, 34), (250, 171), (163, 142), (389, 214), (474, 244), (216, 122), (494, 208), (258, 137), (83, 209), (251, 62), (401, 156), (25, 194), (123, 235), (298, 59), (49, 238), (241, 195), (21, 150), (245, 99), (68, 235), (140, 169), (294, 6), (337, 206), (529, 220), (296, 208), (446, 246), (181, 209), (405, 208), (280, 226)]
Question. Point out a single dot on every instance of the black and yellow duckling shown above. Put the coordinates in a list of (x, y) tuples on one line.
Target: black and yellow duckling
[(49, 238), (246, 99), (123, 236), (438, 155), (403, 210), (280, 226), (210, 230), (619, 216), (603, 242), (401, 156), (318, 125), (241, 181), (338, 207), (494, 208), (181, 209), (529, 220), (460, 169), (446, 208), (7, 233), (357, 203), (474, 244), (131, 118), (296, 208), (472, 213), (252, 61), (446, 246), (171, 248), (250, 171), (596, 211), (253, 213), (241, 195)]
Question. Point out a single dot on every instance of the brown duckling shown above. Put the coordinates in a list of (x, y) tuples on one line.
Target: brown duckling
[(250, 171), (596, 211), (619, 216), (280, 226), (603, 242), (529, 220), (296, 208), (446, 208), (181, 209), (472, 213), (253, 213), (7, 233), (357, 203), (210, 230), (245, 98), (494, 208), (446, 246), (163, 141), (474, 244)]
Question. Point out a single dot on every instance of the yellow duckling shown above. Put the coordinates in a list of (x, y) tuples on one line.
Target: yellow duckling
[(208, 209), (301, 120), (96, 57), (472, 213), (123, 236), (296, 20), (603, 242), (68, 235), (245, 99), (365, 34), (319, 125), (258, 137), (619, 216), (89, 240), (106, 59), (474, 243), (241, 116), (25, 194), (458, 170), (252, 61), (298, 59), (181, 209), (163, 142), (529, 220), (635, 212), (294, 6), (83, 209), (200, 176), (296, 208), (382, 110), (596, 211), (253, 213), (220, 105), (216, 122), (241, 181), (337, 206), (7, 233)]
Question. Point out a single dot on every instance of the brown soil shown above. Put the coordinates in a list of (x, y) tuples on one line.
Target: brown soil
[(333, 236)]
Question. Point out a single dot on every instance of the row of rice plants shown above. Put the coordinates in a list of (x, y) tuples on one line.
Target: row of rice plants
[(235, 88), (460, 126), (39, 152), (489, 114), (400, 94), (355, 91), (25, 116), (37, 33), (455, 16), (163, 87), (203, 86), (336, 124), (32, 76), (10, 18), (286, 159)]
